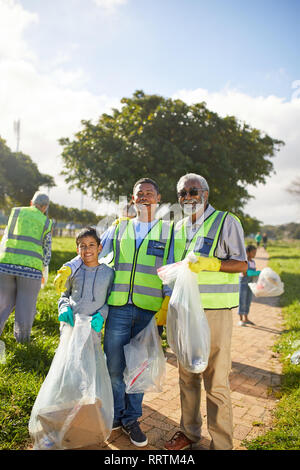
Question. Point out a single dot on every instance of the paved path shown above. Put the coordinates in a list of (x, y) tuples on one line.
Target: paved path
[(254, 378)]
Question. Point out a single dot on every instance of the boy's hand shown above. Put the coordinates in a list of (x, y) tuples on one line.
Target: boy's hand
[(97, 322), (65, 314), (161, 315), (61, 278), (205, 264)]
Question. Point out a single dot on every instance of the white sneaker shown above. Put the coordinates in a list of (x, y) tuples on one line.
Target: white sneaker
[(241, 323)]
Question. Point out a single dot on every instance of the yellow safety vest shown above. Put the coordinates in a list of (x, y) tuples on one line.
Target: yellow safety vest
[(136, 268), (26, 229), (218, 290)]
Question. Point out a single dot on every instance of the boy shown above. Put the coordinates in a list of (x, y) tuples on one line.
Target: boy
[(88, 288), (244, 289)]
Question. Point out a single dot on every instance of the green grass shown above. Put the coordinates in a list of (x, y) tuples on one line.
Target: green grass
[(27, 365), (285, 433)]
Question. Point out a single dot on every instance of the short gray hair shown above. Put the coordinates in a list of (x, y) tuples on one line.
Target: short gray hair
[(193, 176), (40, 199)]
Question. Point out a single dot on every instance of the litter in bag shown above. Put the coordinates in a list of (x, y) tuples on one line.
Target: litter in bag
[(267, 285), (145, 361), (74, 407), (188, 332)]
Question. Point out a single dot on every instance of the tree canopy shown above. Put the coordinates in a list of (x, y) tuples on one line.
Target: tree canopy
[(72, 214), (19, 178), (152, 136)]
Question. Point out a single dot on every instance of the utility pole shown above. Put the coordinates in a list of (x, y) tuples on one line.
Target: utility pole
[(17, 130)]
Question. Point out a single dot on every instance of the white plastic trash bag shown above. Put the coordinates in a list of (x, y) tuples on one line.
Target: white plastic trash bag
[(145, 361), (188, 332), (267, 285), (74, 407)]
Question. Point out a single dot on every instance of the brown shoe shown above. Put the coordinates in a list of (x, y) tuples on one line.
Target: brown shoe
[(178, 442)]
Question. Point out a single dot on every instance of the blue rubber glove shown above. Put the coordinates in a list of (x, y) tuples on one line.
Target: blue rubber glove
[(251, 272), (65, 314), (97, 322)]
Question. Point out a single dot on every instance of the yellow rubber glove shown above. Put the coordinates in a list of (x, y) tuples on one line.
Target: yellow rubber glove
[(61, 278), (205, 264), (161, 315), (117, 221)]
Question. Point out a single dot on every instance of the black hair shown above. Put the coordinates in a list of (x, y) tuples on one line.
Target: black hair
[(147, 180), (87, 232), (250, 248)]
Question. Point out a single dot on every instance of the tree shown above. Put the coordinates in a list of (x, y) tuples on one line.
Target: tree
[(19, 178), (71, 214), (152, 136), (294, 188)]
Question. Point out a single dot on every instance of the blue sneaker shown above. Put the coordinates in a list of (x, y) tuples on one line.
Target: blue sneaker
[(136, 435)]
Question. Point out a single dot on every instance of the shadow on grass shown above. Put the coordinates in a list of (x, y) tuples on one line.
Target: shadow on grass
[(31, 357), (284, 257)]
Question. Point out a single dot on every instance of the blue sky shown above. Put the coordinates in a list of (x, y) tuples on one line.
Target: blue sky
[(66, 60), (166, 45)]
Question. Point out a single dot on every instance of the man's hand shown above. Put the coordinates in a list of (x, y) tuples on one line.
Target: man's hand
[(161, 315), (61, 278), (65, 314), (205, 264), (97, 322)]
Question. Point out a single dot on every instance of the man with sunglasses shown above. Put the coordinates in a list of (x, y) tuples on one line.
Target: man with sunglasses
[(217, 239)]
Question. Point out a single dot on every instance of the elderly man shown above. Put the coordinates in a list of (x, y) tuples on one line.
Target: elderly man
[(218, 240), (25, 253)]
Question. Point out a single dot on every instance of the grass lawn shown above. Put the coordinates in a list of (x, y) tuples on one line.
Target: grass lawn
[(26, 366), (285, 434)]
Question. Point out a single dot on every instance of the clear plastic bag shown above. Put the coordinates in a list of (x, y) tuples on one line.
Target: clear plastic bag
[(267, 285), (145, 361), (188, 332), (74, 407)]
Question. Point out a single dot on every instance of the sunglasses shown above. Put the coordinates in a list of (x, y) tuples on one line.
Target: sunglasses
[(191, 192)]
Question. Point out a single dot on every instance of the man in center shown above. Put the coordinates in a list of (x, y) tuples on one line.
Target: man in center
[(140, 247)]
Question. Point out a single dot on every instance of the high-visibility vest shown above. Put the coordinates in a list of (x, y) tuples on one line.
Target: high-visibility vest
[(136, 268), (218, 290), (26, 229)]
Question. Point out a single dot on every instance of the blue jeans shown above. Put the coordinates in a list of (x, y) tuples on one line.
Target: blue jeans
[(245, 297), (122, 324)]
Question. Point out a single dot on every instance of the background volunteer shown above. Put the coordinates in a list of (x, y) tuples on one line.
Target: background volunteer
[(25, 253)]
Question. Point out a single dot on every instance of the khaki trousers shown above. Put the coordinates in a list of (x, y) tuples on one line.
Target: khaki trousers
[(216, 385)]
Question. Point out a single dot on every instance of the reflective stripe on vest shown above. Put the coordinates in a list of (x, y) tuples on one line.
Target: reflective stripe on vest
[(25, 250), (218, 290), (136, 269)]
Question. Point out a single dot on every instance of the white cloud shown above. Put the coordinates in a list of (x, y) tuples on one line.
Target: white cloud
[(13, 21), (49, 104), (109, 5), (279, 119)]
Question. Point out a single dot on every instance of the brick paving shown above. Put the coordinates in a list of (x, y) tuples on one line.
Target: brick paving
[(254, 379)]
